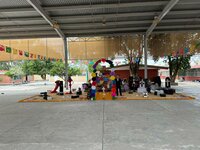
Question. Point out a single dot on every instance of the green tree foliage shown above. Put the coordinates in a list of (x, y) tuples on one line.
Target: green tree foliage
[(58, 69), (42, 68), (177, 65), (37, 67), (4, 66), (15, 71)]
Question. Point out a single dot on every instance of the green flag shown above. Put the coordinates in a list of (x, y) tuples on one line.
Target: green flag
[(8, 49), (26, 54)]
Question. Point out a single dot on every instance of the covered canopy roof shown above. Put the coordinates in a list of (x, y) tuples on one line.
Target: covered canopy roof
[(77, 18)]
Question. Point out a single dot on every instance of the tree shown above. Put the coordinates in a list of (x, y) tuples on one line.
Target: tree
[(26, 68), (58, 69), (174, 46), (131, 48), (4, 66), (37, 67), (15, 71), (197, 44), (177, 65)]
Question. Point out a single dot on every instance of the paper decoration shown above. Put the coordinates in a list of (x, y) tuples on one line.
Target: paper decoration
[(173, 53), (192, 49), (20, 52), (26, 54), (112, 78), (8, 49), (181, 51), (186, 51), (93, 74), (2, 48), (31, 55), (15, 51)]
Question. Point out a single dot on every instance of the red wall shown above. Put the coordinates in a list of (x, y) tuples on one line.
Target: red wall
[(190, 78), (8, 80), (4, 79), (126, 73)]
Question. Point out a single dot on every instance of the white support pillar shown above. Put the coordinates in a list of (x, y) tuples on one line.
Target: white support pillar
[(66, 61), (145, 39)]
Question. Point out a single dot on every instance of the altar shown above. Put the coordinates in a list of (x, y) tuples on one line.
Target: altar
[(103, 84), (104, 96)]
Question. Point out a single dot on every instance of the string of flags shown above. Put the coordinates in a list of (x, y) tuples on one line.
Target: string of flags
[(181, 52), (25, 53)]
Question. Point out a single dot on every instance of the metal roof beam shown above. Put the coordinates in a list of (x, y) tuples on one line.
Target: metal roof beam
[(83, 17), (130, 29), (82, 31), (98, 6), (40, 10), (31, 33), (95, 34), (92, 6), (165, 11), (97, 24)]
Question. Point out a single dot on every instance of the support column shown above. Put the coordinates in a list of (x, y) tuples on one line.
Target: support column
[(145, 56), (66, 62)]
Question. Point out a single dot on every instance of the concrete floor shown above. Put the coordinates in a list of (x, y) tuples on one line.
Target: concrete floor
[(99, 125)]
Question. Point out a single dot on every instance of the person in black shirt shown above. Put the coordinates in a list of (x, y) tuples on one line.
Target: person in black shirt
[(118, 85)]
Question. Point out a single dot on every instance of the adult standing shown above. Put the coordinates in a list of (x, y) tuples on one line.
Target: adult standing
[(118, 85)]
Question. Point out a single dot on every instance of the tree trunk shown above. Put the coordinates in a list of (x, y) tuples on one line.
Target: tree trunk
[(170, 66), (43, 76), (134, 68), (26, 78), (176, 70)]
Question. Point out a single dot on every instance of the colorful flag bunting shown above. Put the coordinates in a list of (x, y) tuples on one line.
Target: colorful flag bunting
[(181, 51), (20, 52), (31, 55), (192, 49), (26, 54), (186, 51), (2, 48), (14, 51), (8, 49), (173, 53)]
